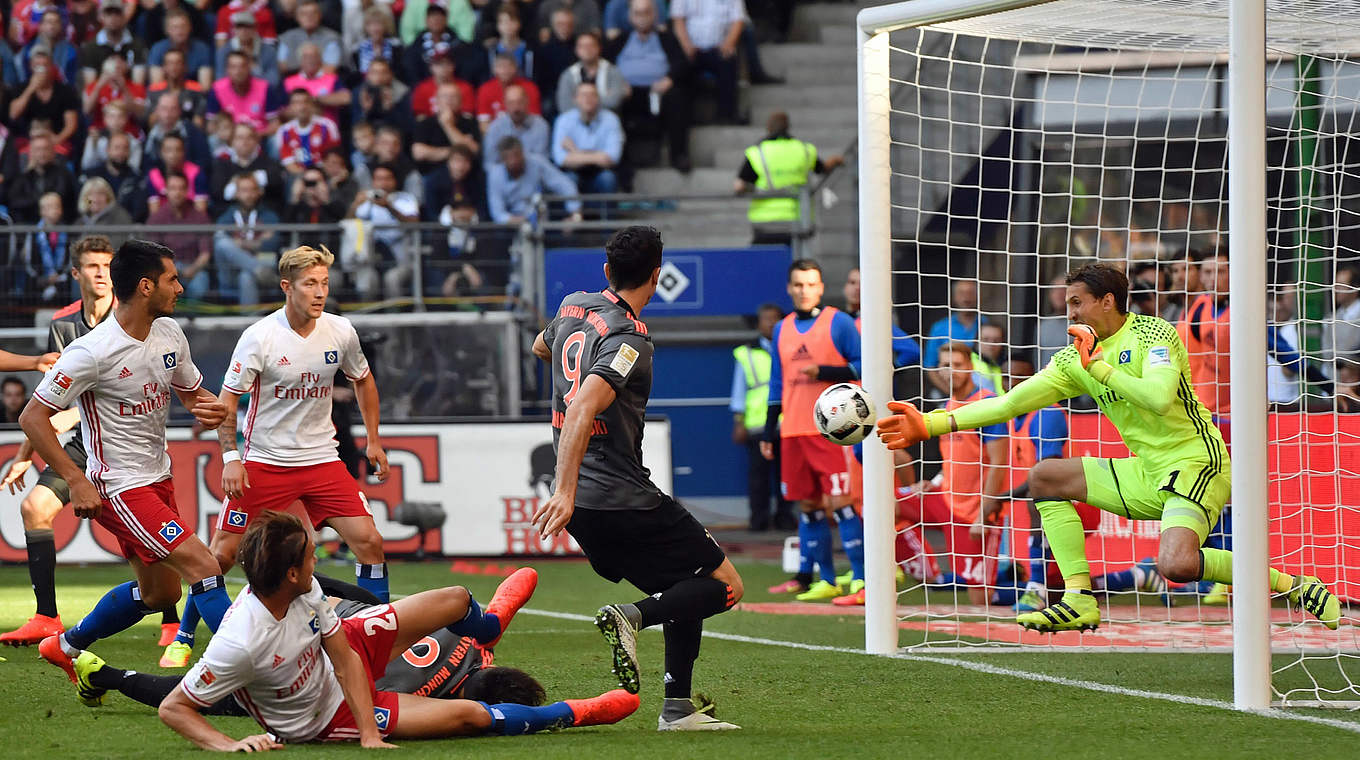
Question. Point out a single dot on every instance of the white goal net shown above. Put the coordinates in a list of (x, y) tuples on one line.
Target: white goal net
[(1029, 141)]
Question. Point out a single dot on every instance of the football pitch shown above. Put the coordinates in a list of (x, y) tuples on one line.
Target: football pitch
[(793, 682)]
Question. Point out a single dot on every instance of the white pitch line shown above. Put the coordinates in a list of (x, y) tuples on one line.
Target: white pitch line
[(981, 667)]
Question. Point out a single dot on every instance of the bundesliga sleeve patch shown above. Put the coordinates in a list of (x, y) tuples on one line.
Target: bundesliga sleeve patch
[(1159, 356), (61, 383), (624, 360), (205, 678)]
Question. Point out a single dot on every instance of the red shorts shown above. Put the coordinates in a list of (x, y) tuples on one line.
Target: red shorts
[(972, 558), (371, 634), (326, 490), (145, 521), (812, 467)]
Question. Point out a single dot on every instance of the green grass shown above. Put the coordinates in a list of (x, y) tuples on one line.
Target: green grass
[(791, 703)]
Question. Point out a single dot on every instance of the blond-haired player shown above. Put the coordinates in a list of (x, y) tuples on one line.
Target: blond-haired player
[(287, 363)]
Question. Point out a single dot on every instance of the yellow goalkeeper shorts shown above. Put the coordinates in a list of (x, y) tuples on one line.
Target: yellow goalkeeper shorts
[(1125, 487)]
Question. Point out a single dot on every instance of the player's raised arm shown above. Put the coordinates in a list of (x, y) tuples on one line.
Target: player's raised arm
[(1155, 391), (20, 363), (595, 395)]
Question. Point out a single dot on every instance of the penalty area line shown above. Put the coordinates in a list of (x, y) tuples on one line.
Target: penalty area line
[(988, 669)]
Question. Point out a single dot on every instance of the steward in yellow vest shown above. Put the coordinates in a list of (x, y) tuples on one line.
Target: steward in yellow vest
[(780, 162)]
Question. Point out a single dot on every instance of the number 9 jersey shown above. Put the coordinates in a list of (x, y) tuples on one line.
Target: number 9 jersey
[(598, 334)]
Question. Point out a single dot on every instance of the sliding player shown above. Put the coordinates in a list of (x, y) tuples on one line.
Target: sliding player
[(123, 374), (1135, 368), (287, 363), (269, 655)]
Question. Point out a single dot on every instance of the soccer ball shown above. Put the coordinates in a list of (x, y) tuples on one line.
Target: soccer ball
[(844, 414)]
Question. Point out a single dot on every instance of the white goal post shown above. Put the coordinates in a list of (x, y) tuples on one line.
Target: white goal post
[(1211, 32)]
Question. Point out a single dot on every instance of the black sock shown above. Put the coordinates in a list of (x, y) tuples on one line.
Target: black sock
[(333, 587), (804, 578), (170, 616), (691, 599), (108, 678), (152, 690), (682, 649), (42, 568)]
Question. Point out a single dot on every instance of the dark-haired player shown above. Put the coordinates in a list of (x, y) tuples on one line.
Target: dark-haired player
[(1135, 367), (306, 675), (601, 361), (122, 374)]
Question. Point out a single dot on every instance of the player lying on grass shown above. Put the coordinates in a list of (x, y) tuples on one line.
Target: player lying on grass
[(268, 654), (1135, 368), (443, 665)]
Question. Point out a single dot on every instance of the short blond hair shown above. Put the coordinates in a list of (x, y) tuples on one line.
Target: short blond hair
[(292, 262)]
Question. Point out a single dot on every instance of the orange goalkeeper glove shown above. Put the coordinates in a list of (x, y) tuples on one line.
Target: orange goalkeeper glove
[(1087, 344), (909, 427)]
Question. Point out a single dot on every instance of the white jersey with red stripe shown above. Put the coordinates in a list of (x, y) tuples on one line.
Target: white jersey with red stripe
[(123, 387), (290, 379), (275, 668)]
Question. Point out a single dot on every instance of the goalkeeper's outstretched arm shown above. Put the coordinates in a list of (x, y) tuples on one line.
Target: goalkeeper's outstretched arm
[(909, 426)]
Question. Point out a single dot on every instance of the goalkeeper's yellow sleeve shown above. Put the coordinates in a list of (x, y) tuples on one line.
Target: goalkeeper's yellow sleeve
[(1047, 387), (1155, 391)]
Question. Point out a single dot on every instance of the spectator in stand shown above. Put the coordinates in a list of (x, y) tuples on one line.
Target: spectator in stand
[(125, 181), (1182, 285), (82, 20), (491, 95), (9, 159), (442, 71), (363, 137), (98, 208), (48, 102), (46, 253), (434, 138), (509, 40), (586, 14), (470, 60), (1053, 322), (14, 393), (220, 128), (457, 188), (113, 38), (150, 23), (196, 56), (1348, 384), (249, 99), (327, 87), (261, 16), (44, 172), (389, 148), (340, 175), (307, 136), (27, 19), (97, 141), (382, 99), (385, 206), (708, 32), (113, 86), (1204, 331), (310, 30), (167, 118), (652, 63), (960, 326), (461, 18), (519, 177), (587, 143), (989, 358), (616, 21), (784, 163), (172, 160), (1285, 367), (247, 157), (175, 80), (556, 53), (9, 76), (245, 256), (262, 56), (193, 250), (379, 40), (311, 202), (52, 38), (519, 122), (1341, 328), (590, 67)]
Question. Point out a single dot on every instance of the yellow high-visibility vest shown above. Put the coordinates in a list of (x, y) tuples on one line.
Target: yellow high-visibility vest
[(779, 163), (755, 362)]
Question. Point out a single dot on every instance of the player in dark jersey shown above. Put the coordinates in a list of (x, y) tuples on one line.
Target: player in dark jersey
[(90, 258), (601, 360), (442, 665)]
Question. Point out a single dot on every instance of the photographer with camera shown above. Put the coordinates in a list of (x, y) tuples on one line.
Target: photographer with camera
[(385, 207)]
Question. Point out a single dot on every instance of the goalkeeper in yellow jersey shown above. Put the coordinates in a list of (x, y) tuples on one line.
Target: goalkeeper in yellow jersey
[(1135, 368)]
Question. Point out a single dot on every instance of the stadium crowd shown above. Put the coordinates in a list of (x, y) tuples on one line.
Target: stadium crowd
[(254, 112)]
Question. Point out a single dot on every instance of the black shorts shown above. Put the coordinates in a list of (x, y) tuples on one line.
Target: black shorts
[(54, 482), (652, 549)]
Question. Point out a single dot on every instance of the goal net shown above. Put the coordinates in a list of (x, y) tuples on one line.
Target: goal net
[(1028, 141)]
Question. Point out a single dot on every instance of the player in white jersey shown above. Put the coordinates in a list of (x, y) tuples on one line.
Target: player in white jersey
[(269, 655), (287, 363), (122, 375)]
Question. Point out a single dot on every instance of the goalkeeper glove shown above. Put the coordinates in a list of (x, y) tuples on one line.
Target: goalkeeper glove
[(1088, 350), (909, 427)]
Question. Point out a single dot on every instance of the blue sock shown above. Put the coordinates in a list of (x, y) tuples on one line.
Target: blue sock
[(1037, 573), (209, 598), (513, 720), (852, 539), (819, 545), (804, 544), (373, 579), (119, 610), (188, 623), (1122, 580), (482, 626)]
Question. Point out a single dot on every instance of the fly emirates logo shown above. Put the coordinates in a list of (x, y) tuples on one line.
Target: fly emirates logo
[(310, 385), (154, 398), (306, 663)]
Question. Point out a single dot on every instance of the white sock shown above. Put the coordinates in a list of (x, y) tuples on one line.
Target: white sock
[(67, 648)]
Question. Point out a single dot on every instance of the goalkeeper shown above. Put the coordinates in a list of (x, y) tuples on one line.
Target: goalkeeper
[(1135, 367)]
